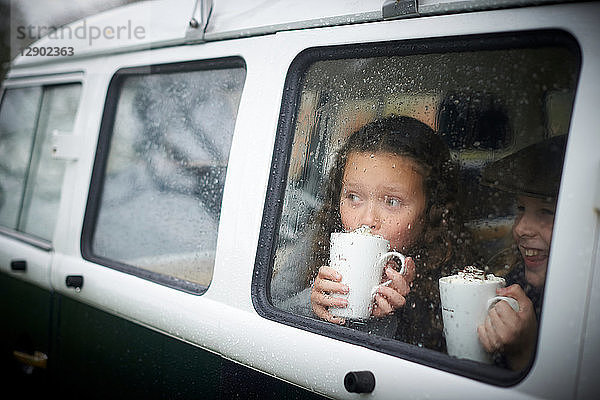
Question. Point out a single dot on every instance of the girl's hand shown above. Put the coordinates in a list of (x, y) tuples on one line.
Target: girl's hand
[(328, 281), (509, 332), (389, 298)]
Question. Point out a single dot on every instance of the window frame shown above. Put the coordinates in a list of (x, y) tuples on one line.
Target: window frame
[(42, 83), (270, 224), (95, 193)]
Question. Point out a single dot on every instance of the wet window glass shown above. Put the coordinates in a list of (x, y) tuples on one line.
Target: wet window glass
[(31, 178), (446, 157), (165, 172), (42, 196), (17, 127)]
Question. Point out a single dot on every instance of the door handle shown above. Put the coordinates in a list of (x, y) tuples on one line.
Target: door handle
[(74, 281), (37, 359), (18, 265)]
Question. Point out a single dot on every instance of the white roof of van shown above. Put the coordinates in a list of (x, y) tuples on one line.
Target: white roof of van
[(160, 23)]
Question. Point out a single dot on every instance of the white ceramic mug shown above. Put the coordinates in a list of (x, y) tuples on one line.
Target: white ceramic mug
[(360, 260), (465, 305)]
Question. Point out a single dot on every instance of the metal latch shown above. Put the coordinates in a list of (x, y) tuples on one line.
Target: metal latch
[(199, 21), (398, 8), (65, 146), (35, 360)]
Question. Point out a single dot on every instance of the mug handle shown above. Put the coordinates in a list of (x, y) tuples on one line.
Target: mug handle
[(385, 258), (512, 302)]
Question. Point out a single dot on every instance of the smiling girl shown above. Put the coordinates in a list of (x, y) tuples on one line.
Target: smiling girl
[(533, 176)]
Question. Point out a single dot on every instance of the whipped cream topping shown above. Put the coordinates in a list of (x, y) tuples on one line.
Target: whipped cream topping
[(364, 230), (473, 274)]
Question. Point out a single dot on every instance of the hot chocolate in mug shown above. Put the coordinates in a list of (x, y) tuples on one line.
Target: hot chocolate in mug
[(360, 257), (466, 300)]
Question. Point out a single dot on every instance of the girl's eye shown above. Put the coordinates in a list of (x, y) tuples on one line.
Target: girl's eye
[(520, 209), (547, 211), (392, 201), (352, 197)]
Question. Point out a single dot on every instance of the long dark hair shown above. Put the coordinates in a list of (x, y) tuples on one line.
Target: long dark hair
[(407, 137)]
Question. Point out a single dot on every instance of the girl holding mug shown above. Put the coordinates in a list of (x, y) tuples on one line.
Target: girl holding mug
[(395, 176)]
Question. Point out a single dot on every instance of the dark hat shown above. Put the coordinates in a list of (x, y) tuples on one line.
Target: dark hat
[(532, 171)]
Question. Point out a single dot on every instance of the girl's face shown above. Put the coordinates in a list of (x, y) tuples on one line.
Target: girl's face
[(532, 232), (385, 192)]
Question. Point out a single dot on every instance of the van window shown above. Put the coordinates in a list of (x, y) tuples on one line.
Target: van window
[(31, 177), (485, 99), (167, 134)]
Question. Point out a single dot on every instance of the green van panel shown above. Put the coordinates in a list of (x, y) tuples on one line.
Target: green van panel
[(100, 355), (25, 315)]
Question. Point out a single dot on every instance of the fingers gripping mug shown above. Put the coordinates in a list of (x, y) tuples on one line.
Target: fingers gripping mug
[(466, 300), (360, 259)]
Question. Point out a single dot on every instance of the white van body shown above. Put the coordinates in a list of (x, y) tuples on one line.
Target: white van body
[(223, 320)]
